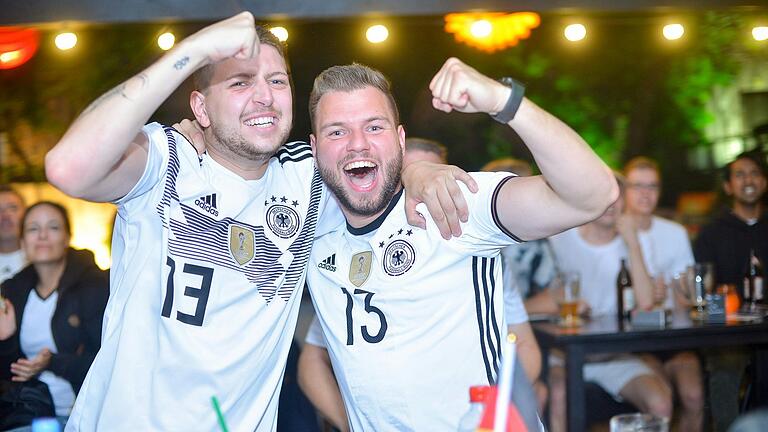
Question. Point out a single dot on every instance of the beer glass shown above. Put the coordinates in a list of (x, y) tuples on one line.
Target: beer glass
[(694, 284), (568, 294), (639, 422)]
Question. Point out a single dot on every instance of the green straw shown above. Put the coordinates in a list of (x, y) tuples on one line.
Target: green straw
[(219, 414)]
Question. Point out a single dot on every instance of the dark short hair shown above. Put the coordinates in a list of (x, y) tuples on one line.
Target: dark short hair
[(348, 78), (202, 77), (755, 156), (58, 207), (6, 188), (427, 145)]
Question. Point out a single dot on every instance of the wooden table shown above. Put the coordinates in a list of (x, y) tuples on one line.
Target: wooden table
[(602, 335)]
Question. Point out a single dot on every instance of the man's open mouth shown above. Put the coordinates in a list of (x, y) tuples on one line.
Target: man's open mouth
[(362, 174)]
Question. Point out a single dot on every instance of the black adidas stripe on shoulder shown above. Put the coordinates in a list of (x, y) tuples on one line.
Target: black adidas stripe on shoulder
[(294, 152), (169, 129), (495, 211)]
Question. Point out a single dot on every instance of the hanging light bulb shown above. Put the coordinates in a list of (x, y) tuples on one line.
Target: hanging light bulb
[(377, 34), (65, 41), (575, 32), (166, 41)]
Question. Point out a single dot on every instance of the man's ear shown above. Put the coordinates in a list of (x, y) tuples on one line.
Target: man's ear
[(313, 144), (727, 188), (197, 103), (401, 138)]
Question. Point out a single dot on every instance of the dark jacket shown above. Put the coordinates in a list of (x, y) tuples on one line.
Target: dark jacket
[(76, 322), (726, 242)]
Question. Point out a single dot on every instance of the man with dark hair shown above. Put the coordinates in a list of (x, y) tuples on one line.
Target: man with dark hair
[(12, 257), (727, 240)]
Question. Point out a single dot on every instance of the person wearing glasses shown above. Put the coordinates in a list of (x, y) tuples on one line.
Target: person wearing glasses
[(666, 251)]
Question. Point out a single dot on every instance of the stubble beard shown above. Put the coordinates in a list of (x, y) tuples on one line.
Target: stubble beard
[(370, 203), (232, 142)]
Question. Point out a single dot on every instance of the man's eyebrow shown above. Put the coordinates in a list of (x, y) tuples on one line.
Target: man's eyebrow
[(341, 123), (272, 74), (240, 75), (332, 124)]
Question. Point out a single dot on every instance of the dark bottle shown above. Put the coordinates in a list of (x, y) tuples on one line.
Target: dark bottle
[(753, 282), (625, 296)]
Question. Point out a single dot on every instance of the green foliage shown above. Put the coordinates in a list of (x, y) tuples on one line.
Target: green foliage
[(628, 94), (692, 76), (49, 92)]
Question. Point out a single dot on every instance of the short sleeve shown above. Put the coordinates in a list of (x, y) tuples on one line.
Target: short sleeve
[(483, 233), (315, 334), (157, 162), (514, 309)]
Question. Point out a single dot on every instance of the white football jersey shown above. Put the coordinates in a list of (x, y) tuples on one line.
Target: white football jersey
[(411, 320), (204, 296)]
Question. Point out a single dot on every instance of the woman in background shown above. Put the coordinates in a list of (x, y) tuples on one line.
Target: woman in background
[(51, 314)]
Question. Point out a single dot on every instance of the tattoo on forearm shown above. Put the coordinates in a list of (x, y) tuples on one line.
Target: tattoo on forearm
[(128, 90), (179, 65)]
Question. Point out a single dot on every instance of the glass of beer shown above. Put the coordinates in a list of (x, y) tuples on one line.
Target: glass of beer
[(568, 296), (638, 422), (694, 284)]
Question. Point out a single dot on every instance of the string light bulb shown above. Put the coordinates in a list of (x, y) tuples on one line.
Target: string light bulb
[(673, 31), (166, 41), (760, 33), (65, 41), (377, 33), (281, 33), (575, 32)]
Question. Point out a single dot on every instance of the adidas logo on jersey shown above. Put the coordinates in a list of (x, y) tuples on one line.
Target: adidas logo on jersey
[(208, 203), (328, 263)]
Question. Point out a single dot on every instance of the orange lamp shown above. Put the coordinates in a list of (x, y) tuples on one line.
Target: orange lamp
[(17, 46)]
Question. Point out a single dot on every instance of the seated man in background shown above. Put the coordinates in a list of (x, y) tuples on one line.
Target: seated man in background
[(727, 240), (12, 258), (411, 320), (422, 149)]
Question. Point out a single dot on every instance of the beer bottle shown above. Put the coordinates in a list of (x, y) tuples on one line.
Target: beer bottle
[(625, 296), (753, 282)]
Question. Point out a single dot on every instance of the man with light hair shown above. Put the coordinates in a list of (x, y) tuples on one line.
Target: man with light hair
[(666, 251), (421, 320)]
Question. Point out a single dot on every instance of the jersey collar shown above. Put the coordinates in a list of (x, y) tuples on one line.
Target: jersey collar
[(376, 223)]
